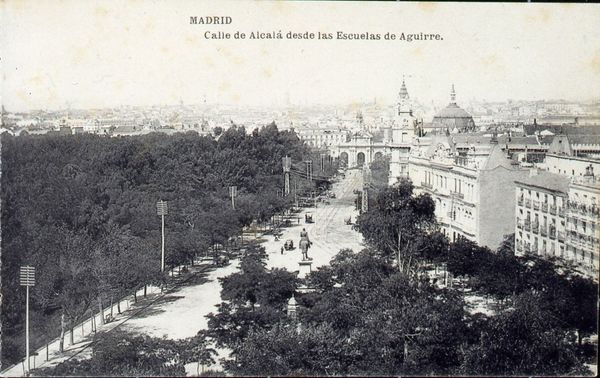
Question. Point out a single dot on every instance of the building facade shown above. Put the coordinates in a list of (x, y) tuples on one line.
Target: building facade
[(323, 138), (557, 216), (471, 192)]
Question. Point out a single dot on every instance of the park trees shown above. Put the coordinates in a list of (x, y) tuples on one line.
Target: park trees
[(82, 209)]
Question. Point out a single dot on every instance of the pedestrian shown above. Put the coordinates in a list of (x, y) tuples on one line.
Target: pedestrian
[(282, 250)]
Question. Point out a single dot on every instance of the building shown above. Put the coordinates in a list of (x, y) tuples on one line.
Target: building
[(451, 119), (395, 140), (473, 192), (562, 158), (403, 131), (583, 231), (557, 216), (541, 201), (323, 138)]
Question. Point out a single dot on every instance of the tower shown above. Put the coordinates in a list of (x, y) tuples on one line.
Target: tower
[(404, 100), (404, 122), (403, 133), (452, 96)]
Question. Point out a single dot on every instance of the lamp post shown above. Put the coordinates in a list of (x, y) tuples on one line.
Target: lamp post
[(27, 279), (162, 209), (287, 164), (233, 194)]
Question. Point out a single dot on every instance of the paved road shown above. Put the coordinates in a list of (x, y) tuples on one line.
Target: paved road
[(328, 233), (181, 312)]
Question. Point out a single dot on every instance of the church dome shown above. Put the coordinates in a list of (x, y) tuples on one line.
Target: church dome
[(453, 111), (453, 117)]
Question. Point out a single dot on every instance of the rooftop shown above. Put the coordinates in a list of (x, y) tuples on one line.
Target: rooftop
[(548, 181)]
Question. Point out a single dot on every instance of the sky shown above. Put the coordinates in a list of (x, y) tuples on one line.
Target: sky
[(94, 54)]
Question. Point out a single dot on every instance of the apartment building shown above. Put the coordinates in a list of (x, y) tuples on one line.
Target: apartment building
[(558, 216)]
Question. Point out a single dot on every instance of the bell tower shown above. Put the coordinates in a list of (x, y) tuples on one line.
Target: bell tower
[(404, 122)]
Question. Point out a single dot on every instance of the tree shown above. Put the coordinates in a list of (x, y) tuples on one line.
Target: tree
[(366, 317), (255, 297), (523, 341), (396, 221), (118, 354)]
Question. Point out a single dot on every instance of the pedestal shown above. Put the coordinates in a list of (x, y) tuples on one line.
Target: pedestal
[(305, 268)]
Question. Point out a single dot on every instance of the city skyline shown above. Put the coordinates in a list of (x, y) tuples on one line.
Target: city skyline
[(109, 54)]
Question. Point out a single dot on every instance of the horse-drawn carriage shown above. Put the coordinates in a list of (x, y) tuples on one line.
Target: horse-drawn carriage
[(308, 218)]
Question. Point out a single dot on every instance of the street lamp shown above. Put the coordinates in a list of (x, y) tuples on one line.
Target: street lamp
[(162, 209), (27, 278), (233, 194)]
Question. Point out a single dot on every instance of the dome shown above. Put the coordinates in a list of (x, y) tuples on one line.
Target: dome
[(452, 111), (453, 117)]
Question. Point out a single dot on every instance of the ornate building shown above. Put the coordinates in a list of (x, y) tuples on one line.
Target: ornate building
[(452, 119), (363, 147), (473, 192)]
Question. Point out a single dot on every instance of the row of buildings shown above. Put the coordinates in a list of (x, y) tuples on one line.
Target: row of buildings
[(541, 188)]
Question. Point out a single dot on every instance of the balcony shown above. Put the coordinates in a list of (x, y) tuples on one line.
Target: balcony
[(534, 249), (426, 185), (544, 206), (552, 233), (520, 201), (535, 227), (527, 248), (536, 205), (527, 203), (560, 236), (561, 212), (457, 194), (519, 224), (552, 209), (543, 231)]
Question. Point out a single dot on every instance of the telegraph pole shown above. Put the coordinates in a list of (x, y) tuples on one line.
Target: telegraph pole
[(309, 169), (233, 194), (162, 210), (27, 279), (366, 184), (287, 164), (295, 192)]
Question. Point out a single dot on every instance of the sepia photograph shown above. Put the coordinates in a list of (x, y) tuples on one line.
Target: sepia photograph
[(299, 188)]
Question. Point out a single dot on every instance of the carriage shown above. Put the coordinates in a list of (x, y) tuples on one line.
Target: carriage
[(288, 245), (308, 218)]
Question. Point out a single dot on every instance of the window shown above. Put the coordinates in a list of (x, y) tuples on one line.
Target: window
[(543, 247)]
